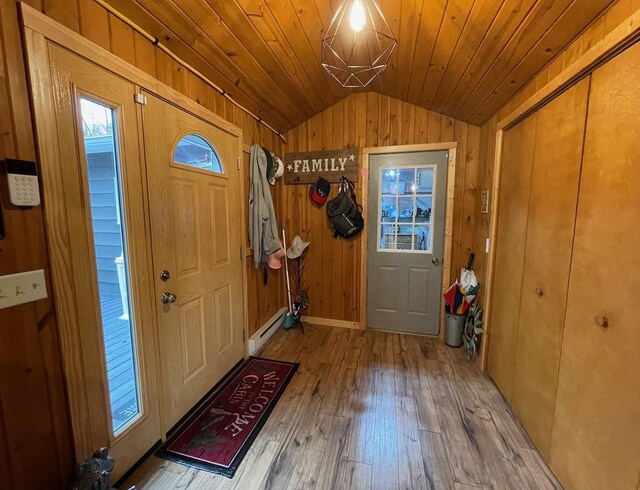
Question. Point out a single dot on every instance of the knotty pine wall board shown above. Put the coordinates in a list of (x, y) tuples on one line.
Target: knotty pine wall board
[(367, 120)]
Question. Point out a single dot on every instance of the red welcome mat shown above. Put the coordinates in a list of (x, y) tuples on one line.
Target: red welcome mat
[(218, 437)]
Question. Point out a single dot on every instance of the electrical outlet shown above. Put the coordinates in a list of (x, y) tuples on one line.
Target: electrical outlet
[(25, 287)]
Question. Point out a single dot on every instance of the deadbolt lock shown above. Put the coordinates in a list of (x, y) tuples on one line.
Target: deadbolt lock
[(165, 276)]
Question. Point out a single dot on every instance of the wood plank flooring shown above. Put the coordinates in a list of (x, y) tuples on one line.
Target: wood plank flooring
[(375, 410)]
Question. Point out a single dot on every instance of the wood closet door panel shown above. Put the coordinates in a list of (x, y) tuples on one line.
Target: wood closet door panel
[(596, 436), (517, 160), (552, 207)]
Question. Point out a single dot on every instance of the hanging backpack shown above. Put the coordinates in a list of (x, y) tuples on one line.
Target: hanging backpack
[(345, 214)]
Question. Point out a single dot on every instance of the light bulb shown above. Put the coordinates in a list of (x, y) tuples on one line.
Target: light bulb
[(357, 19)]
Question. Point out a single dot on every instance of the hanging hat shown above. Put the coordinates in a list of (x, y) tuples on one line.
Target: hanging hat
[(270, 162), (275, 167), (273, 260), (297, 247), (279, 170), (319, 191)]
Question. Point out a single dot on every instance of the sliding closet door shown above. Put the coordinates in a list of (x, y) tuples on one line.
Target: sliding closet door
[(517, 160), (553, 197), (596, 435)]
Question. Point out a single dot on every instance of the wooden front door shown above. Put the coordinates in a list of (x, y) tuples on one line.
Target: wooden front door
[(196, 228)]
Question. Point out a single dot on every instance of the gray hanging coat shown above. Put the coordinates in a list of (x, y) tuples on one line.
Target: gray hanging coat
[(263, 228)]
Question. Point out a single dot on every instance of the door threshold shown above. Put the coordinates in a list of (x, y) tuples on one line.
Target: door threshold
[(413, 334), (127, 474)]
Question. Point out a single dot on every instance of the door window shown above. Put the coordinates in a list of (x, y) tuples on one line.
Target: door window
[(195, 151), (109, 238), (405, 209)]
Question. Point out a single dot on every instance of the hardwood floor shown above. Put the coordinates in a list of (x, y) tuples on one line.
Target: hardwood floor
[(375, 410)]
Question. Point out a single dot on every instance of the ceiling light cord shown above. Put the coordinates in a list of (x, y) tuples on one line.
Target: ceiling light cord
[(156, 42)]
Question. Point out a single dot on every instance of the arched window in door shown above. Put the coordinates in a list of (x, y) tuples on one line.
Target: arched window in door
[(195, 151)]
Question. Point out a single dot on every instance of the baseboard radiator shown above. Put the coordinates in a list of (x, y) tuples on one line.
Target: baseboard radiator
[(265, 332)]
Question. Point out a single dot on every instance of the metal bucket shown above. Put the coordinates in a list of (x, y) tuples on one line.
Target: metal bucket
[(454, 328)]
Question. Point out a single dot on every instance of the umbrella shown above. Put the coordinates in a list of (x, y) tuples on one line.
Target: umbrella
[(466, 304), (462, 293), (468, 280), (459, 300), (450, 296)]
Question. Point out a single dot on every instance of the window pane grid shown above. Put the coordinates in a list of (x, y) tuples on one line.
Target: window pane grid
[(406, 203)]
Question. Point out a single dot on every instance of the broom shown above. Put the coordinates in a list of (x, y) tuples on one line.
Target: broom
[(289, 319)]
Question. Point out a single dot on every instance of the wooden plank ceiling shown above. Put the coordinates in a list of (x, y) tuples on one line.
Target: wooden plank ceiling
[(462, 58)]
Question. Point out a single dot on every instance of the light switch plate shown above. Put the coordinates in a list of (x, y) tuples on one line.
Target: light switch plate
[(21, 288)]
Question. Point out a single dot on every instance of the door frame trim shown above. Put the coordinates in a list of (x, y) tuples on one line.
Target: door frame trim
[(38, 30), (452, 148), (618, 40)]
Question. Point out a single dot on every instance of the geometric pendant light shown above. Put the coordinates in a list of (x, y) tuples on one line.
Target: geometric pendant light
[(358, 44)]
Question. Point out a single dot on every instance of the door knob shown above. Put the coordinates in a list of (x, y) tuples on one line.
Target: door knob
[(435, 261), (165, 276), (602, 321), (168, 298)]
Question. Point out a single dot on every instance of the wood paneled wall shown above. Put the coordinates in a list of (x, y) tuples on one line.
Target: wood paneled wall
[(367, 120), (35, 442), (613, 17), (265, 300)]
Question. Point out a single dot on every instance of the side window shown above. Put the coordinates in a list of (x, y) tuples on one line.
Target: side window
[(195, 151)]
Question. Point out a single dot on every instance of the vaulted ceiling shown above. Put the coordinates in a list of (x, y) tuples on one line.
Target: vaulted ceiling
[(462, 58)]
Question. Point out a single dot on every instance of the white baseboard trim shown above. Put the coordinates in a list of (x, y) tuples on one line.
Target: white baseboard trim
[(265, 332), (328, 322)]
